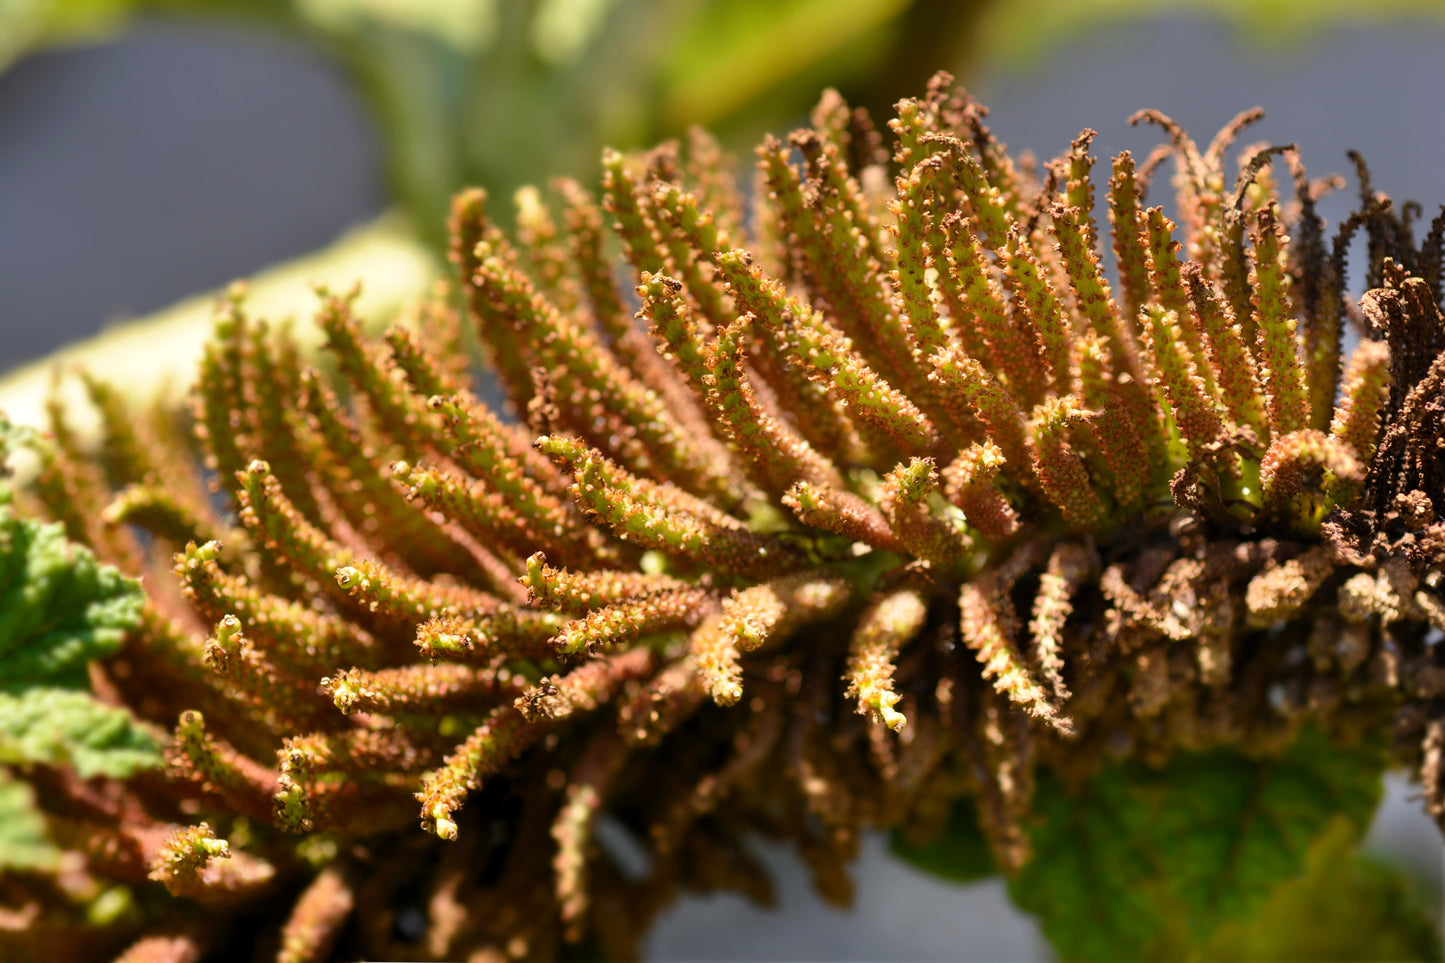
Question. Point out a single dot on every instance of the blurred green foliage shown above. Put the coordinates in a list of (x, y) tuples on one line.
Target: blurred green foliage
[(1145, 863), (1214, 856), (23, 841), (1346, 906), (504, 92), (59, 609)]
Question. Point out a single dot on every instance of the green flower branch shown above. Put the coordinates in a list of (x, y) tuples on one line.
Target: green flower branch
[(862, 504)]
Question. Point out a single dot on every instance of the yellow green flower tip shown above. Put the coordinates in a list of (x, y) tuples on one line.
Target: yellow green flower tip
[(533, 577), (727, 693), (888, 715), (442, 823), (224, 644), (344, 693), (192, 723), (227, 629), (913, 481), (559, 447), (289, 807), (209, 552), (873, 650), (623, 622), (445, 406), (218, 848)]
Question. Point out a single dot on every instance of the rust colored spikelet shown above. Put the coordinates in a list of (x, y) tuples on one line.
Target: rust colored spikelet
[(760, 615), (314, 924), (986, 632), (1129, 249), (508, 730), (1012, 349), (567, 591), (160, 512), (505, 512), (978, 394), (969, 484), (505, 631), (918, 241), (1365, 394), (775, 455), (641, 431), (297, 632), (194, 863), (1123, 442), (431, 369), (1233, 364), (926, 531), (217, 768), (1278, 349), (1286, 472), (375, 505), (881, 632), (1170, 293), (688, 232), (285, 699), (1198, 416), (178, 948), (403, 601), (1090, 288), (615, 625), (470, 228), (220, 426), (427, 689), (842, 513), (663, 518), (804, 397), (1060, 470), (830, 359), (1069, 565)]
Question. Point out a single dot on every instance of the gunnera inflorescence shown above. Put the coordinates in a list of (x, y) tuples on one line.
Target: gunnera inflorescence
[(795, 522)]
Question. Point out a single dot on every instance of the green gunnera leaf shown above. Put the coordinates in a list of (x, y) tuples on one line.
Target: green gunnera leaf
[(59, 607), (959, 854), (1144, 863), (61, 727), (23, 844)]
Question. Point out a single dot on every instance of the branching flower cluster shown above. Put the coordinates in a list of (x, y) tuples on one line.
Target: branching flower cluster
[(799, 517)]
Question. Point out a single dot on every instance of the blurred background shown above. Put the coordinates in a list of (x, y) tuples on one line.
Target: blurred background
[(152, 151)]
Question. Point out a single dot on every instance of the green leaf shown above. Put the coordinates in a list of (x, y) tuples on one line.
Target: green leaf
[(63, 727), (23, 844), (1346, 906), (59, 607), (1147, 863), (959, 854)]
